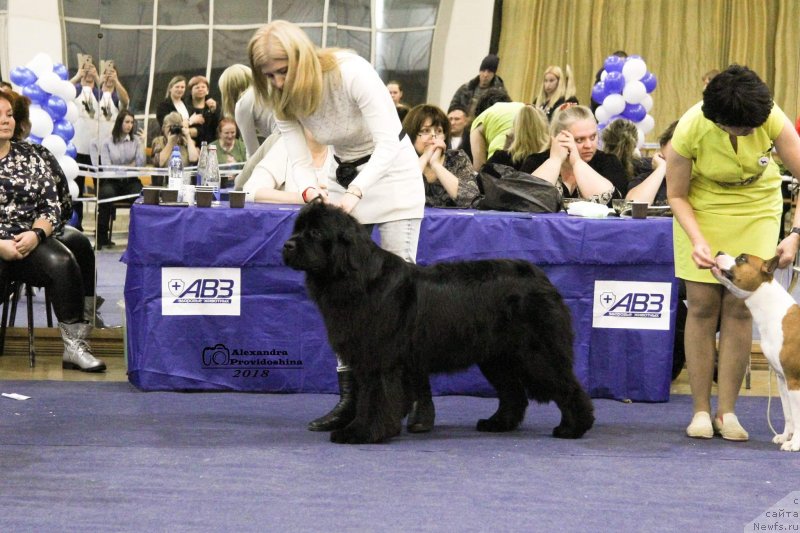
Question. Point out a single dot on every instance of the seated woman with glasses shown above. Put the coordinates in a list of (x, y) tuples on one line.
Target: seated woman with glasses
[(450, 180), (29, 214), (574, 164)]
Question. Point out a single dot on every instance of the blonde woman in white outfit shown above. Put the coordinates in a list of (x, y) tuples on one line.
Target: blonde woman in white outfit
[(342, 101)]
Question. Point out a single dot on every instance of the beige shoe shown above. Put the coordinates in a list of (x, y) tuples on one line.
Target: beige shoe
[(729, 428), (701, 427)]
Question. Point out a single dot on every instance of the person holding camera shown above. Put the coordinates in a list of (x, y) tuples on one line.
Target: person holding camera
[(175, 132)]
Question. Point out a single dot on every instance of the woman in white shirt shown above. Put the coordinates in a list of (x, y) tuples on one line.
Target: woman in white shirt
[(340, 99)]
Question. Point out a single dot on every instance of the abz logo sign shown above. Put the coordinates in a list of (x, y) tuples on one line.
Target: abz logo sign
[(200, 291), (631, 305)]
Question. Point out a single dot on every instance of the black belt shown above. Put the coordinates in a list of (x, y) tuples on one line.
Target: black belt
[(346, 171)]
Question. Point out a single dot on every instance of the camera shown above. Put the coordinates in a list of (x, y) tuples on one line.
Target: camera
[(216, 355), (175, 130)]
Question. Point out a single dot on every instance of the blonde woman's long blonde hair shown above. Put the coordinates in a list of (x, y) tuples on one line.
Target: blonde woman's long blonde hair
[(530, 133), (621, 138), (233, 81), (302, 91), (565, 88)]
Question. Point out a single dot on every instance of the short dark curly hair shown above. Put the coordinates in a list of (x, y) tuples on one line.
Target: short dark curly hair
[(738, 98)]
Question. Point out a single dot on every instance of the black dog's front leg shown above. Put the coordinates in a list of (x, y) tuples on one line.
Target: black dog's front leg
[(379, 411)]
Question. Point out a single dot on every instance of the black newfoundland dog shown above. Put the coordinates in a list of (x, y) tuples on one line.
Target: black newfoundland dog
[(394, 323)]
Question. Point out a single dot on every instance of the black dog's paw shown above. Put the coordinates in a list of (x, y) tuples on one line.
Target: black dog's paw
[(495, 424), (357, 434), (567, 432)]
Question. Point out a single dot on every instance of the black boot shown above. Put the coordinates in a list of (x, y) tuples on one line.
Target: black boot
[(345, 411), (420, 419)]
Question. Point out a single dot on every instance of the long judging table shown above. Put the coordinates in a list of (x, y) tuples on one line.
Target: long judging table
[(210, 305)]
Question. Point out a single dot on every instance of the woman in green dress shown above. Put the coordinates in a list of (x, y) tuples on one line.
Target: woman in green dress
[(724, 190)]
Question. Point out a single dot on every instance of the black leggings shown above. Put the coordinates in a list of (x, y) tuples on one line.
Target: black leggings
[(51, 265), (81, 247)]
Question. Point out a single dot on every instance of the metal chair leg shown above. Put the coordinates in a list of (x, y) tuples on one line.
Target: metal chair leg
[(31, 350)]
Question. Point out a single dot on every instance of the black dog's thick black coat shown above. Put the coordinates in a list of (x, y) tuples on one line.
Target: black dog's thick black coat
[(394, 323)]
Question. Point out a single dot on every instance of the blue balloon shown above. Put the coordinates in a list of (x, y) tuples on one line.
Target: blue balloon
[(34, 139), (22, 76), (36, 94), (599, 92), (64, 129), (650, 82), (634, 112), (614, 83), (61, 71), (56, 107), (614, 64), (71, 150)]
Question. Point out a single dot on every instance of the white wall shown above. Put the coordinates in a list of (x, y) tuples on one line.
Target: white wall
[(33, 27), (461, 40)]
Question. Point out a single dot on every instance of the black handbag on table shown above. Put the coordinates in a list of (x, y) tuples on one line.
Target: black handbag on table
[(506, 189)]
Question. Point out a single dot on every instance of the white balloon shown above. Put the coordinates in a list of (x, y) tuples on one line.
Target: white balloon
[(65, 90), (41, 123), (56, 145), (40, 64), (73, 189), (646, 124), (49, 82), (69, 167), (634, 69), (603, 75), (614, 104), (634, 92), (640, 141), (72, 112), (647, 103), (601, 114)]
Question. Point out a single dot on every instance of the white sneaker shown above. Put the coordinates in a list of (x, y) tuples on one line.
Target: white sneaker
[(701, 427)]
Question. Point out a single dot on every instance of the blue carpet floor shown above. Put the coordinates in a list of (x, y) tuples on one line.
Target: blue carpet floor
[(106, 457)]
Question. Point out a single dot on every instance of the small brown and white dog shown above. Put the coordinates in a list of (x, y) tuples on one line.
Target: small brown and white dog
[(777, 317)]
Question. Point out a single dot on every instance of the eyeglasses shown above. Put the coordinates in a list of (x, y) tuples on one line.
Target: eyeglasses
[(426, 133)]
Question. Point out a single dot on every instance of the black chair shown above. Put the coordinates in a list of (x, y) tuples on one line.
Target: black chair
[(11, 295)]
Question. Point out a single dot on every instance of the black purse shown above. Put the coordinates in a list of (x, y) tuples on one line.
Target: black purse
[(506, 189)]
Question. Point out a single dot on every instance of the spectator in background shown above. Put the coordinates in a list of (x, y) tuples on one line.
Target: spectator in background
[(457, 115), (467, 95), (489, 129), (652, 187), (557, 88), (175, 132), (450, 180), (173, 100), (621, 138), (255, 122), (87, 97), (204, 116), (113, 99), (487, 100), (395, 91), (229, 148), (123, 148), (592, 104), (529, 136), (574, 164), (5, 86), (708, 76)]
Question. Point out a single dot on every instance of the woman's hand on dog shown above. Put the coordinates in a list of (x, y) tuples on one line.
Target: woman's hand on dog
[(701, 255), (348, 202)]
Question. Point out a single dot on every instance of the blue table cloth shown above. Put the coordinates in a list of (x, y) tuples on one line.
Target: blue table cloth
[(255, 329)]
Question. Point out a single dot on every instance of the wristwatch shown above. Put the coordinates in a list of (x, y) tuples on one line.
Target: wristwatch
[(795, 229), (40, 234)]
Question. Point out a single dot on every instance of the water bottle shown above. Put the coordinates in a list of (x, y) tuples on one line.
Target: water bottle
[(201, 163), (175, 170), (211, 173)]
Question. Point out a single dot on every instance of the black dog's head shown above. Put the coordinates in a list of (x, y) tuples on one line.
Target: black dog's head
[(326, 241)]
